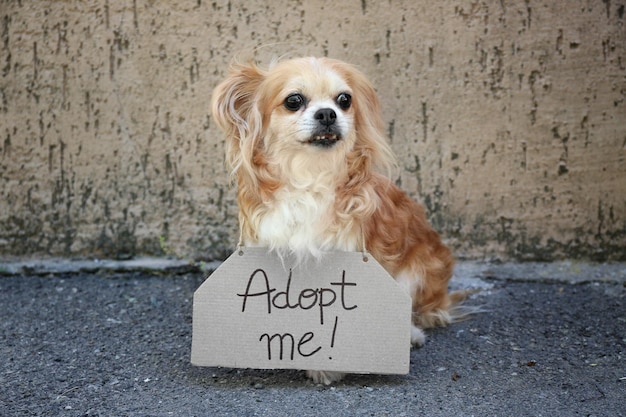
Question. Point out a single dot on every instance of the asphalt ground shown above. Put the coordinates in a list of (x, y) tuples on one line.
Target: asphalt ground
[(116, 342)]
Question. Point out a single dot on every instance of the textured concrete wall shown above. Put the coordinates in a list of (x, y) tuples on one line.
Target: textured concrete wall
[(508, 118)]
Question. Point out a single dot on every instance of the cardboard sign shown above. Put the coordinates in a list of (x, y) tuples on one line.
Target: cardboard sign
[(343, 313)]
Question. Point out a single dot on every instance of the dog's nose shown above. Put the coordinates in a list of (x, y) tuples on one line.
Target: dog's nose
[(326, 117)]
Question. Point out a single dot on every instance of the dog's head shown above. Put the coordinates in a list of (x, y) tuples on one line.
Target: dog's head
[(300, 119)]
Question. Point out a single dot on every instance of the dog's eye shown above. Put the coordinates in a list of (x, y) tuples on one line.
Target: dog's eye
[(294, 102), (344, 100)]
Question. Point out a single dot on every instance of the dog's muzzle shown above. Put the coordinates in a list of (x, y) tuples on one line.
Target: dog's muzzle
[(326, 135)]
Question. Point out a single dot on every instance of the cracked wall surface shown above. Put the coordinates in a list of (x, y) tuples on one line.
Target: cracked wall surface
[(508, 119)]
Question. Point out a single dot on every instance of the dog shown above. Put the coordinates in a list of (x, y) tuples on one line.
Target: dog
[(306, 145)]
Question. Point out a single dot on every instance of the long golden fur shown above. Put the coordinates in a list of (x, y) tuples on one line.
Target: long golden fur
[(305, 142)]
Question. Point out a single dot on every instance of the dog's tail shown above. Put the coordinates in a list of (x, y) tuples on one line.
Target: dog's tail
[(459, 310), (456, 311)]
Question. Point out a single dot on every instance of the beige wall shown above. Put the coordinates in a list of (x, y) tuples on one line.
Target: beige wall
[(508, 118)]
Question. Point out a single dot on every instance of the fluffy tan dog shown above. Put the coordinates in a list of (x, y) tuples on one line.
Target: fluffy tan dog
[(305, 141)]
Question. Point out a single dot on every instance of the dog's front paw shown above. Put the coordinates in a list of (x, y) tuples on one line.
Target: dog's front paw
[(417, 336), (324, 377)]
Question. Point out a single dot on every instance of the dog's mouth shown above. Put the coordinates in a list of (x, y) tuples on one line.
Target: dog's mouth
[(324, 140)]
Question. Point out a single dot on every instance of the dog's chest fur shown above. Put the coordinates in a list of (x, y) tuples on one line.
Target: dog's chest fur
[(305, 222)]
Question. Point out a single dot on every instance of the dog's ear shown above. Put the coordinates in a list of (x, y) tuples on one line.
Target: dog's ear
[(234, 110)]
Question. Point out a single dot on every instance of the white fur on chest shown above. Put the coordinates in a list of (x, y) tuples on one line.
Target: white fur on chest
[(303, 222)]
